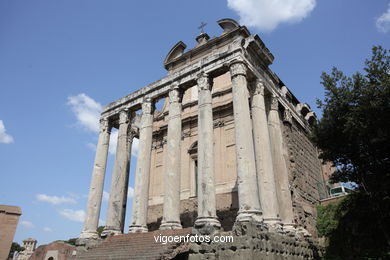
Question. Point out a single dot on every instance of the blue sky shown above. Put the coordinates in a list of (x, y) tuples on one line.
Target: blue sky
[(61, 61)]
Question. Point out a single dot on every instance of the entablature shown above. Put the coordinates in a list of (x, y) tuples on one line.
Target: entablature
[(235, 44)]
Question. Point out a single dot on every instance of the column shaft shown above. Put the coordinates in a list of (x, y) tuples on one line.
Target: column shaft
[(248, 194), (130, 136), (97, 182), (119, 181), (142, 177), (263, 155), (206, 221), (171, 207), (280, 167)]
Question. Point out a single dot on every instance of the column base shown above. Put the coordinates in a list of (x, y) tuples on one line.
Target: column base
[(249, 216), (89, 235), (289, 228), (274, 225), (248, 226), (86, 243), (165, 225), (303, 232), (138, 229), (206, 225), (109, 231)]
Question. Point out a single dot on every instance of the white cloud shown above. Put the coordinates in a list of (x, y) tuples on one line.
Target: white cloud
[(92, 146), (266, 15), (73, 215), (113, 141), (130, 192), (134, 148), (86, 110), (27, 224), (47, 229), (383, 22), (54, 199), (106, 195), (4, 137), (102, 222)]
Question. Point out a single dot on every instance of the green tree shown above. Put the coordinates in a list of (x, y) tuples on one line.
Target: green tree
[(353, 133), (327, 219), (71, 241), (355, 127), (15, 247), (100, 230)]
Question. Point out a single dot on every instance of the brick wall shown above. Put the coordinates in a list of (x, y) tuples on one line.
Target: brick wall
[(306, 179), (9, 217)]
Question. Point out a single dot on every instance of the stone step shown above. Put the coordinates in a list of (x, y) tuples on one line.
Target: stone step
[(136, 246)]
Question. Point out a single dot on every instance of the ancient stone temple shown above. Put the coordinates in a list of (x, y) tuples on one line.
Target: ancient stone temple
[(229, 149)]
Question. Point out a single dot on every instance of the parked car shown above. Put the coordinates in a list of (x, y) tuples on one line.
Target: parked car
[(339, 191)]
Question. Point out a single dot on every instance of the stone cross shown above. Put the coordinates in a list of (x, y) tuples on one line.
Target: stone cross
[(201, 27)]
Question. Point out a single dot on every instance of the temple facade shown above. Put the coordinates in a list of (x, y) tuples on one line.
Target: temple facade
[(230, 145)]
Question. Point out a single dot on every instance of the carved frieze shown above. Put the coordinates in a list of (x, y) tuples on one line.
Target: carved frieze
[(287, 116)]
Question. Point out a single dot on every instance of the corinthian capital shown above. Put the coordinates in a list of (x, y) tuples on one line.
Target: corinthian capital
[(105, 125), (175, 93), (203, 81), (147, 106), (258, 87), (274, 103), (132, 131), (237, 68), (123, 116)]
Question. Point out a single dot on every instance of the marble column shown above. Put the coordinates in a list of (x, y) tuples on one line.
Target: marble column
[(120, 178), (97, 182), (142, 175), (171, 207), (248, 194), (131, 133), (207, 221), (263, 155), (280, 167)]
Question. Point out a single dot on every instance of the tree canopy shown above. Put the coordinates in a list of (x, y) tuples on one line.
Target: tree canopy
[(354, 130), (15, 247), (353, 133)]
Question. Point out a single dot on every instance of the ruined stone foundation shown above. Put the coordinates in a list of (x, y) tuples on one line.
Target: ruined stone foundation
[(255, 242)]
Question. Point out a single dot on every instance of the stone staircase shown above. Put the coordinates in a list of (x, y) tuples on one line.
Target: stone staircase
[(138, 246)]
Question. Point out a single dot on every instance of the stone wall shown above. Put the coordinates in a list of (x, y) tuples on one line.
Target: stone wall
[(305, 175), (9, 217), (251, 242), (57, 250), (306, 180), (227, 207)]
